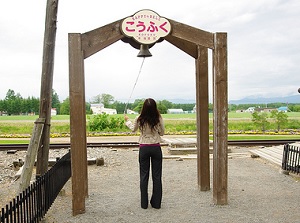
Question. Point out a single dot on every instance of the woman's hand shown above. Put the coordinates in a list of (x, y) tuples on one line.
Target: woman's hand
[(126, 117)]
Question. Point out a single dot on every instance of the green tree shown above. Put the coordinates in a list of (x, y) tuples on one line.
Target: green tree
[(34, 105), (105, 99), (2, 106), (260, 120), (119, 106), (294, 107), (281, 118), (55, 101), (65, 107), (138, 105), (88, 108), (165, 103), (162, 107), (10, 95)]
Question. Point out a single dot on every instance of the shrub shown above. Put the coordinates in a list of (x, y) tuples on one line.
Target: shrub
[(103, 122)]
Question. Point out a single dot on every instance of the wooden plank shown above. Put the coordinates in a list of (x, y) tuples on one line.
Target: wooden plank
[(31, 154), (46, 84), (191, 34), (202, 117), (267, 157), (186, 46), (272, 154), (220, 120), (187, 150), (77, 124), (191, 140), (275, 153), (180, 140), (97, 39)]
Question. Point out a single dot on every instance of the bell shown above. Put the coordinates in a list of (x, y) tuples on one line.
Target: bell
[(144, 51)]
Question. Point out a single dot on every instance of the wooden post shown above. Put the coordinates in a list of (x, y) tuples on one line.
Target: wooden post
[(202, 119), (31, 154), (220, 159), (77, 124), (46, 84)]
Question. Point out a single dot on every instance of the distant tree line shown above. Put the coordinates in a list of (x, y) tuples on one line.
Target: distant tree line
[(15, 104), (163, 105)]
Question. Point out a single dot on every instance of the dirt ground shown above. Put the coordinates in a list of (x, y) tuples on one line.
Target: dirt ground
[(257, 191)]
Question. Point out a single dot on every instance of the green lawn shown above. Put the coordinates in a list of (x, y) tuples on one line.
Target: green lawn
[(262, 137), (231, 115), (238, 124)]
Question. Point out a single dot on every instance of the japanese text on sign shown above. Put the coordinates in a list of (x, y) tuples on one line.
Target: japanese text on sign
[(146, 27)]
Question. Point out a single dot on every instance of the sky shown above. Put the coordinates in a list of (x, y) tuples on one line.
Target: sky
[(263, 48)]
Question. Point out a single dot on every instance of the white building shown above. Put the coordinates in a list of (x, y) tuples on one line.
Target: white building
[(250, 109), (53, 111), (96, 108), (109, 111), (175, 111), (99, 109), (128, 111)]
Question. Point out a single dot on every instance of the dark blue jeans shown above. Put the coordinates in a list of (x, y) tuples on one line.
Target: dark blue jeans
[(153, 155)]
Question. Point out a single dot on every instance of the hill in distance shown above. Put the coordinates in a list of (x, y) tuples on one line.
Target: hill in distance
[(261, 100), (248, 100)]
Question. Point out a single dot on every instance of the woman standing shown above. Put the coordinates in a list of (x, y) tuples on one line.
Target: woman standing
[(151, 126)]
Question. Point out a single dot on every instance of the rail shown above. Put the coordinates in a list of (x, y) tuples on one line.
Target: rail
[(32, 204), (24, 146)]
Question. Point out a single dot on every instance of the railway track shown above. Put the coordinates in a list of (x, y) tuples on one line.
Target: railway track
[(67, 145), (4, 147)]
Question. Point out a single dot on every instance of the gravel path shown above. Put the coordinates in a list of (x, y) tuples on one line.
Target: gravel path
[(258, 192)]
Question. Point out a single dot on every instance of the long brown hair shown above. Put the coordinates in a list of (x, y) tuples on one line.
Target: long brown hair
[(149, 114)]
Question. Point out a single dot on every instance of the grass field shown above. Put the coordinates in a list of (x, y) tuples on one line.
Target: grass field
[(231, 115), (238, 124)]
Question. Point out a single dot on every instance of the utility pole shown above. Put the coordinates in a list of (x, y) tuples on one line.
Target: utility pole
[(46, 84)]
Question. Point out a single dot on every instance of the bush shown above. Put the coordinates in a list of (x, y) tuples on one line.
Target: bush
[(103, 122)]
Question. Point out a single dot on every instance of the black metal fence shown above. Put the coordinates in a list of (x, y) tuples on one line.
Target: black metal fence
[(33, 203), (290, 159)]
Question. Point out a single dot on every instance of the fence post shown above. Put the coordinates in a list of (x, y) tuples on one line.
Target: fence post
[(284, 157)]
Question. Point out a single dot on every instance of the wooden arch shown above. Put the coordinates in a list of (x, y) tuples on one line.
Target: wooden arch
[(194, 42)]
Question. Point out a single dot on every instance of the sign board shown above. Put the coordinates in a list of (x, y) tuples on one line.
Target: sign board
[(146, 27)]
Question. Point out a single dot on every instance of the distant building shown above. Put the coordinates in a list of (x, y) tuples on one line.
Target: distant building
[(53, 112), (96, 108), (269, 109), (250, 109), (283, 109), (194, 109), (99, 109), (128, 111), (175, 111), (109, 111)]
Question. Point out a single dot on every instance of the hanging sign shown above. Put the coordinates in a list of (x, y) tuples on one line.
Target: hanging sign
[(146, 27)]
